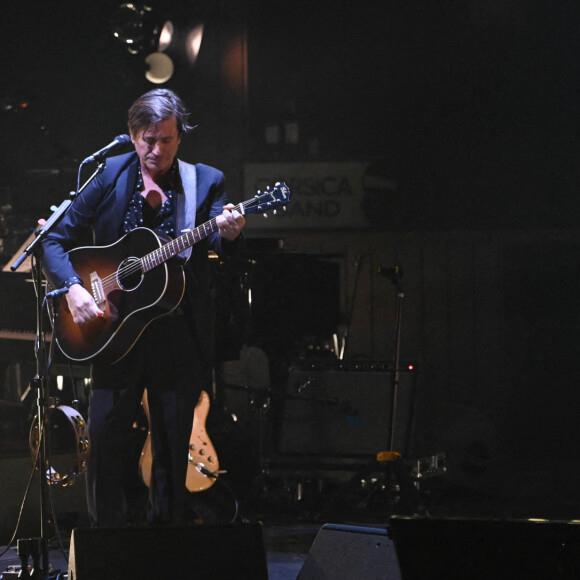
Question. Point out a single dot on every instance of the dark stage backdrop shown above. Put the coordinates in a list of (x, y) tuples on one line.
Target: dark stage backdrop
[(471, 108)]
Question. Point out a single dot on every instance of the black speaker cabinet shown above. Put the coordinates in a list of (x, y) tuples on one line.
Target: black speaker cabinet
[(152, 553), (351, 553), (486, 549), (345, 409)]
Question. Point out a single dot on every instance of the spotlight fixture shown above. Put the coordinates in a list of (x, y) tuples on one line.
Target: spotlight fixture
[(132, 25), (142, 31), (160, 68), (172, 45), (166, 35), (159, 63), (193, 42)]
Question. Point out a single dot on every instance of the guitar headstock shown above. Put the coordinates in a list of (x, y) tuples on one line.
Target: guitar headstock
[(269, 199)]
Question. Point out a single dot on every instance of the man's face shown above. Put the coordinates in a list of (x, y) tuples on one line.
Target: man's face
[(157, 145)]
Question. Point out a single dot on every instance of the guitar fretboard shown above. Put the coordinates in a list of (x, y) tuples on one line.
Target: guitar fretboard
[(179, 244)]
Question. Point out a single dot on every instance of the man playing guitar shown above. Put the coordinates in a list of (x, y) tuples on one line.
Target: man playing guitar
[(147, 322)]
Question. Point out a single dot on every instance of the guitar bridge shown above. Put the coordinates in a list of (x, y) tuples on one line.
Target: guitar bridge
[(97, 290)]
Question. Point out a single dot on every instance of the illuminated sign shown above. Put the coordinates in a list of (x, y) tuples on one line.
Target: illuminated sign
[(322, 195)]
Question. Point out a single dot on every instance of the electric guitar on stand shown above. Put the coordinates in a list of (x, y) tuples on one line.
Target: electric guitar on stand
[(202, 460), (134, 281)]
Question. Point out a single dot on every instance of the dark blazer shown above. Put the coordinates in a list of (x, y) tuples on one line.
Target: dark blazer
[(101, 208)]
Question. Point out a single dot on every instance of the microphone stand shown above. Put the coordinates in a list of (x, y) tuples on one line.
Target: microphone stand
[(31, 546), (397, 361), (409, 500), (394, 274)]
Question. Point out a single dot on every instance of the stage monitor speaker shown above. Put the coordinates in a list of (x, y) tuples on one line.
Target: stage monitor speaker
[(151, 553), (351, 553), (486, 549), (344, 409)]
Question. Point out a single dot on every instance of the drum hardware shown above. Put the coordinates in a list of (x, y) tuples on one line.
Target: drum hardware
[(429, 466), (392, 484)]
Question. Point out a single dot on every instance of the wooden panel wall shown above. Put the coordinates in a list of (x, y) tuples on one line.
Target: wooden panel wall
[(472, 305)]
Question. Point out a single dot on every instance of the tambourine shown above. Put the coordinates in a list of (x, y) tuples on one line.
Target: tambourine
[(68, 443)]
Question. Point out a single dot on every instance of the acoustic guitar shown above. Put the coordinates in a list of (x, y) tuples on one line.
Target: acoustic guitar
[(134, 281), (202, 460)]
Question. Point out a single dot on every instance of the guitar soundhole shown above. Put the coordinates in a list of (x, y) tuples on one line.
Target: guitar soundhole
[(129, 274)]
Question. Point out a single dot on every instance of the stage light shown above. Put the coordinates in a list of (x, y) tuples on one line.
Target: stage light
[(174, 45), (132, 25), (163, 41), (193, 43), (165, 36), (160, 65), (160, 68)]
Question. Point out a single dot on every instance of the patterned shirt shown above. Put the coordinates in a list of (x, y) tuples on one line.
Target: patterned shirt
[(141, 214)]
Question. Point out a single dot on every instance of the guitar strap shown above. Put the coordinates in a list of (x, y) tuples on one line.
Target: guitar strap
[(187, 204)]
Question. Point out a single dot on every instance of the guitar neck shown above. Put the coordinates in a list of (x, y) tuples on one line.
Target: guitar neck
[(270, 199), (181, 243)]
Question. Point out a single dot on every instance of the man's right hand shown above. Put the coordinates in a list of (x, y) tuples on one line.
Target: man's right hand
[(82, 305)]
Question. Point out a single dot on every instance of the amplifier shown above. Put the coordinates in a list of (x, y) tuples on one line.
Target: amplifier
[(344, 409)]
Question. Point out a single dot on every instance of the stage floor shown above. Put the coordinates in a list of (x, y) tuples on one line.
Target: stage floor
[(291, 518)]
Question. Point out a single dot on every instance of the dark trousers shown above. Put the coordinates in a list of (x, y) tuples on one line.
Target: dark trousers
[(167, 361)]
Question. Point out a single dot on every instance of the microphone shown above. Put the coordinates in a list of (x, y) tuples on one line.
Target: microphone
[(119, 141), (56, 293)]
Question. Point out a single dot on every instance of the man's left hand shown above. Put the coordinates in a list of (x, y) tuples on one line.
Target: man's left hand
[(230, 223)]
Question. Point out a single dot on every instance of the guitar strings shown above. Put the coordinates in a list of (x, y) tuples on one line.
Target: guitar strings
[(110, 281)]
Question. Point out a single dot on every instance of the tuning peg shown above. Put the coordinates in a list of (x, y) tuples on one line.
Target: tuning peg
[(284, 207), (275, 211), (265, 215)]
